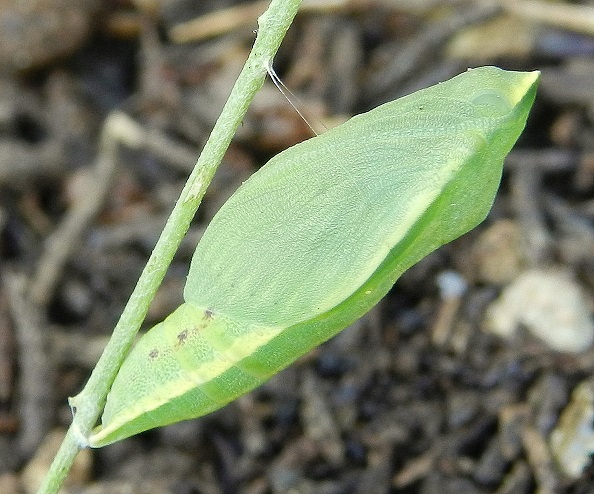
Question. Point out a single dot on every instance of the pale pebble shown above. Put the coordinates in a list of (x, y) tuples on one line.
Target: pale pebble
[(550, 304)]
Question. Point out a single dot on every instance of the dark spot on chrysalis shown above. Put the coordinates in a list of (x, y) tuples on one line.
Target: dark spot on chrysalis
[(208, 313), (153, 354), (182, 337)]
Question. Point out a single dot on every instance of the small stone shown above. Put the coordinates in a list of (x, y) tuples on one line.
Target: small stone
[(572, 441), (550, 304)]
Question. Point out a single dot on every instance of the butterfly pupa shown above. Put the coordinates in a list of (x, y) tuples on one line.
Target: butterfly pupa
[(315, 238)]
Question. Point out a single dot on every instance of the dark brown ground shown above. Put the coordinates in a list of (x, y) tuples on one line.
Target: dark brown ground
[(417, 397)]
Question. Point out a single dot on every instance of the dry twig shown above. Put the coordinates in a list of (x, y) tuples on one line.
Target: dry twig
[(35, 370)]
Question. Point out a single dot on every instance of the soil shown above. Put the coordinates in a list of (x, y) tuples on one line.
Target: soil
[(425, 394)]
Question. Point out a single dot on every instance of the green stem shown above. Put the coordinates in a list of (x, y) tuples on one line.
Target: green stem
[(87, 405)]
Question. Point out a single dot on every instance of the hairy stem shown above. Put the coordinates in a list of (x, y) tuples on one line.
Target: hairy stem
[(87, 405)]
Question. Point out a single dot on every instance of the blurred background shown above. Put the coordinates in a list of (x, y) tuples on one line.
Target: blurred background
[(474, 375)]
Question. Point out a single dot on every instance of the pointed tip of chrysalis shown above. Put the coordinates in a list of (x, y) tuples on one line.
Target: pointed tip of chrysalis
[(521, 86), (526, 85), (517, 84), (497, 93)]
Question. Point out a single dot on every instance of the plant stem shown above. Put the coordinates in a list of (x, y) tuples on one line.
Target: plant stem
[(87, 405)]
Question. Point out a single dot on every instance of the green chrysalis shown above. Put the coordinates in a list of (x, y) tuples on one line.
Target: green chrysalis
[(315, 238)]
